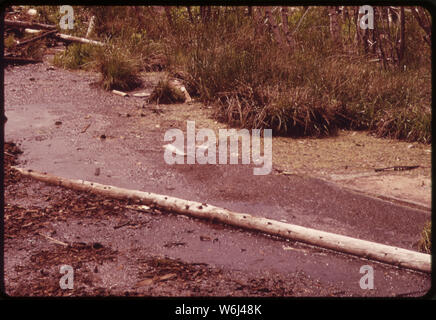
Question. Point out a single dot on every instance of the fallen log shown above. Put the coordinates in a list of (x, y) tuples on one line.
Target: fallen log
[(19, 60), (32, 25), (20, 43), (67, 37), (370, 250)]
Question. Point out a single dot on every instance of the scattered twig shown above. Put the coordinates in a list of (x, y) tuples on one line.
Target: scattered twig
[(53, 240), (142, 208), (122, 225), (397, 168), (86, 128)]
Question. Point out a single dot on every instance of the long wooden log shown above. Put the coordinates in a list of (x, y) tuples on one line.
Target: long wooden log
[(67, 37), (19, 60), (33, 25), (20, 43), (362, 248)]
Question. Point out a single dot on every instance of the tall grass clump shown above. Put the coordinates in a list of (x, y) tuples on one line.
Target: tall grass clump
[(118, 70), (312, 89), (76, 56), (424, 243), (166, 93)]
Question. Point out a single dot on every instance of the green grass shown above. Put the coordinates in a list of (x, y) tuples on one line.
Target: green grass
[(76, 56)]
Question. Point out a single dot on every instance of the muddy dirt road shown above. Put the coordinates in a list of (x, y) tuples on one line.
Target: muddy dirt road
[(67, 127)]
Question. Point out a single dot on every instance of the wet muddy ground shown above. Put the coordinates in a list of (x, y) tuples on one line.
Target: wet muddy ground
[(119, 251), (67, 127)]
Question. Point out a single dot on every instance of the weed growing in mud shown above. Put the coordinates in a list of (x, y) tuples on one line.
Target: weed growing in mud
[(76, 56), (424, 243), (167, 93), (118, 70)]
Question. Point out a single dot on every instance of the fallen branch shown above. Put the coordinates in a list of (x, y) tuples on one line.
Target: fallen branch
[(32, 25), (67, 37), (53, 240), (19, 60), (362, 248), (85, 128), (90, 27), (20, 43)]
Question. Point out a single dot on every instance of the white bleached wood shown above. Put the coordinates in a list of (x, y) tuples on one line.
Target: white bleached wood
[(362, 248)]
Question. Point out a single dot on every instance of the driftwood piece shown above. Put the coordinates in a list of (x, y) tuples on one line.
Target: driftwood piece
[(53, 239), (362, 248), (32, 31), (120, 93), (67, 37), (32, 25)]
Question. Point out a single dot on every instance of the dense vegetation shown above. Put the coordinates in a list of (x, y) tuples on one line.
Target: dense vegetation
[(302, 71)]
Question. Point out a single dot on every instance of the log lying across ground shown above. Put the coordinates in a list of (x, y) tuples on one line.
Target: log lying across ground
[(362, 248), (19, 60), (33, 25), (67, 37), (20, 43)]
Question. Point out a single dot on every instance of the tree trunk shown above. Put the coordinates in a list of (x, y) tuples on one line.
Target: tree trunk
[(420, 15), (169, 16), (285, 27), (402, 40), (191, 18), (334, 26), (275, 28)]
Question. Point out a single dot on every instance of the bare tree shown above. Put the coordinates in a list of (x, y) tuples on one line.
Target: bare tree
[(285, 27), (402, 40), (334, 26)]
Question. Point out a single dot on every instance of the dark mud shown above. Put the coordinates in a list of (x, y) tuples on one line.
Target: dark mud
[(68, 127), (117, 250)]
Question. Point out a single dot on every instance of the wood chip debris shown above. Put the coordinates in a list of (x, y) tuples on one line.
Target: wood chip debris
[(120, 93)]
